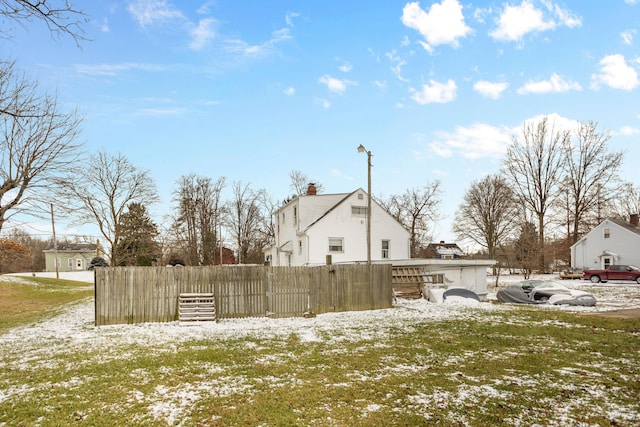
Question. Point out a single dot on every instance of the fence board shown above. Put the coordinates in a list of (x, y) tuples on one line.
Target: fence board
[(150, 294)]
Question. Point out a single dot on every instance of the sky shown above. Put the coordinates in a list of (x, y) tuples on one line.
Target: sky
[(252, 90)]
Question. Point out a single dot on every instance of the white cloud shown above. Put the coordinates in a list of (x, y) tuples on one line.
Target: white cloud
[(105, 26), (202, 34), (627, 36), (564, 16), (345, 67), (397, 64), (436, 92), (474, 142), (631, 1), (443, 24), (290, 91), (482, 140), (151, 12), (556, 122), (491, 90), (380, 84), (205, 9), (112, 70), (335, 85), (615, 73), (516, 21), (324, 103), (555, 84), (289, 18), (240, 47), (629, 131)]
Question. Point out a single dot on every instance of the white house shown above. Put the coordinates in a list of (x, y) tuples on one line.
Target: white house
[(313, 229), (613, 241)]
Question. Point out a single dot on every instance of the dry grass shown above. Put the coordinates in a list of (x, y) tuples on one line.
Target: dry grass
[(24, 300), (415, 364)]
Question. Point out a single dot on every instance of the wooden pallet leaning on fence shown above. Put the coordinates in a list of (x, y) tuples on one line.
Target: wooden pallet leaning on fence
[(196, 307)]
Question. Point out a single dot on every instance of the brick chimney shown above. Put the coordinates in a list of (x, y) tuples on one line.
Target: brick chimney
[(633, 220), (311, 189)]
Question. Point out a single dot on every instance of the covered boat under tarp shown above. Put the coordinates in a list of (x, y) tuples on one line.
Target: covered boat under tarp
[(544, 292), (514, 294)]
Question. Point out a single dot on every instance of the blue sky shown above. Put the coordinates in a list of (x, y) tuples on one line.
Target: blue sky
[(251, 90)]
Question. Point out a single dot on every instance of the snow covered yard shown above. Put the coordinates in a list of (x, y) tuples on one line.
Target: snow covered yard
[(415, 364)]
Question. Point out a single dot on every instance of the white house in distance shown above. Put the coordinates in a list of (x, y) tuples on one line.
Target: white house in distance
[(613, 241), (314, 229)]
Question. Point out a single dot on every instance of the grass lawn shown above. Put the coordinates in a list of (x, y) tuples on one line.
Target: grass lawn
[(29, 299), (417, 364)]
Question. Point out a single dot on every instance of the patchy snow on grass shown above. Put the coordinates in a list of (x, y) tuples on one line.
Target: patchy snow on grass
[(33, 346)]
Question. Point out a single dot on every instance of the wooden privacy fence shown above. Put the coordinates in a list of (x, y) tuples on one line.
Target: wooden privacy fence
[(151, 294)]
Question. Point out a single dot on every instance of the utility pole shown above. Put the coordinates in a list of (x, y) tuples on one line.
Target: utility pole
[(55, 244), (361, 149)]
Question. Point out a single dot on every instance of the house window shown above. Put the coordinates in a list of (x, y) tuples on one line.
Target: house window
[(335, 244), (299, 246), (79, 264), (360, 196), (283, 221), (70, 263), (295, 215), (607, 233), (58, 263), (607, 263), (385, 249), (358, 210)]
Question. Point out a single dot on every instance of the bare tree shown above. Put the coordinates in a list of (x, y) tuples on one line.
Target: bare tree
[(37, 147), (61, 18), (102, 191), (268, 206), (488, 213), (627, 202), (244, 219), (199, 218), (415, 209), (300, 183), (590, 174), (534, 166)]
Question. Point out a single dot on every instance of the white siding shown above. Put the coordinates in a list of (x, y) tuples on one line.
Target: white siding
[(320, 217), (625, 244)]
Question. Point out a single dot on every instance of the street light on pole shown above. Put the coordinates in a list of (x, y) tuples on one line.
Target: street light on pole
[(361, 149)]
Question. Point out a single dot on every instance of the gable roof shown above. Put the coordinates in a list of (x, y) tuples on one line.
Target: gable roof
[(73, 247), (443, 249), (619, 222), (625, 225), (330, 209), (334, 201)]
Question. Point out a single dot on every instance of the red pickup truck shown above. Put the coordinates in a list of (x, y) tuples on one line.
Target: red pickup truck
[(614, 272)]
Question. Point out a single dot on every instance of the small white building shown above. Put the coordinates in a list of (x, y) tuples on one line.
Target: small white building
[(613, 241), (313, 229)]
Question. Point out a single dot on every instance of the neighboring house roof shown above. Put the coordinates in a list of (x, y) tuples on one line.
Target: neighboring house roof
[(73, 247), (441, 250), (619, 222), (625, 225)]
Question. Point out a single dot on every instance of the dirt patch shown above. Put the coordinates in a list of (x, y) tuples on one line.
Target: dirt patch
[(630, 313)]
